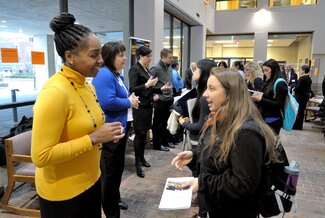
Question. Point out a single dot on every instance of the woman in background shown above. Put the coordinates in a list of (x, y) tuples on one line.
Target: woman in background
[(68, 127), (302, 92), (272, 104), (143, 85), (115, 100), (222, 64), (238, 65), (254, 76)]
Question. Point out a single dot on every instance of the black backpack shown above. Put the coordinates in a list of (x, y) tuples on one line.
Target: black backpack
[(275, 196), (24, 125)]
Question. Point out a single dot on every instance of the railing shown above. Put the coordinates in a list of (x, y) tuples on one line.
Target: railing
[(16, 104)]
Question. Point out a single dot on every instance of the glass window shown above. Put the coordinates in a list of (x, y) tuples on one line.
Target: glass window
[(177, 40), (185, 48), (230, 48), (26, 32), (291, 2), (294, 49), (234, 4), (110, 36), (167, 31)]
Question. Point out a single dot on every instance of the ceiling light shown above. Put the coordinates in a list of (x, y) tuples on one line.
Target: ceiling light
[(230, 46), (3, 26), (262, 17), (224, 41), (270, 40), (3, 21), (174, 37)]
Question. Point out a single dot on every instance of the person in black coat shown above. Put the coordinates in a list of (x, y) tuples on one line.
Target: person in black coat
[(188, 75), (142, 84), (302, 94), (270, 103), (234, 143)]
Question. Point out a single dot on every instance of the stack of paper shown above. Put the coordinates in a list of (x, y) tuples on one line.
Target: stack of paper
[(174, 196)]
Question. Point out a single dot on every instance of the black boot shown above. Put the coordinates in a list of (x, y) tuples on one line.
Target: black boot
[(140, 172), (145, 163)]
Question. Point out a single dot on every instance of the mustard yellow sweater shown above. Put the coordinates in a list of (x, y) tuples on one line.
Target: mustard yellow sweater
[(66, 162)]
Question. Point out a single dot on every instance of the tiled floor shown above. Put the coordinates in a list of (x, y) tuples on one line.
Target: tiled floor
[(143, 195)]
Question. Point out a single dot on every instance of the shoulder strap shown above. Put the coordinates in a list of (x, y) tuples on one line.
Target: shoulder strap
[(276, 83)]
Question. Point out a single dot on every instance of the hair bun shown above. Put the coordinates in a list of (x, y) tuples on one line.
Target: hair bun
[(62, 22)]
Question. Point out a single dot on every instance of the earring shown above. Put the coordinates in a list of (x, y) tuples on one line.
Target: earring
[(71, 62)]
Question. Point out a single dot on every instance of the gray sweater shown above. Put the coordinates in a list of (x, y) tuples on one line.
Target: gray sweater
[(164, 74)]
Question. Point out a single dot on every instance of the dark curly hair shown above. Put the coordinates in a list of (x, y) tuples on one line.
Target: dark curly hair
[(68, 35)]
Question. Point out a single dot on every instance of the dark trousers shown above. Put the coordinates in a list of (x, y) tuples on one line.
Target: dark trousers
[(86, 205), (142, 119), (112, 166), (139, 143), (301, 112), (159, 125), (276, 126)]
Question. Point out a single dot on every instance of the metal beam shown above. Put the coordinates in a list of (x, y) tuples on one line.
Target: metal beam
[(63, 6)]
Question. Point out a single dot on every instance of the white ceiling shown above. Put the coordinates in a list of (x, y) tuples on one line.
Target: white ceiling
[(33, 16)]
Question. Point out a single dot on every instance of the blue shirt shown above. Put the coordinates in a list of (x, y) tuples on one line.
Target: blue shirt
[(113, 96), (177, 80)]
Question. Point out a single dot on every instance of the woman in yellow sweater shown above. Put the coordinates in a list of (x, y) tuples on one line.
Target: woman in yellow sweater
[(69, 127)]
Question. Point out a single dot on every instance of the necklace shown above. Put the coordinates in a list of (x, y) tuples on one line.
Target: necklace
[(83, 100)]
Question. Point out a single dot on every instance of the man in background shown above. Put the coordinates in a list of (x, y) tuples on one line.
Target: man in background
[(290, 76), (162, 102), (188, 75)]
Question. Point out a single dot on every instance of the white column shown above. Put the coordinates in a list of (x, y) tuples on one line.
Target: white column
[(260, 46), (149, 24), (197, 44)]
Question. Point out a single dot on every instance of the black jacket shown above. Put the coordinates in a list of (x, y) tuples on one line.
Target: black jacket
[(138, 76), (271, 105), (198, 121), (292, 81), (188, 78), (303, 87), (232, 190)]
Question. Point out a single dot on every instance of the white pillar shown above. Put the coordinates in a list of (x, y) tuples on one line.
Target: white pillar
[(197, 44), (149, 24), (260, 46)]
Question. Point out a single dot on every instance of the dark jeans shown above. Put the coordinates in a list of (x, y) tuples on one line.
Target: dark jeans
[(86, 205), (112, 166), (159, 125)]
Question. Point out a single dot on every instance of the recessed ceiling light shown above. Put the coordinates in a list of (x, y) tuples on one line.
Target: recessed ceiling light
[(3, 26), (3, 21)]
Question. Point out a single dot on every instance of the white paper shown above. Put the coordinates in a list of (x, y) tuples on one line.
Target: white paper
[(174, 197), (255, 93)]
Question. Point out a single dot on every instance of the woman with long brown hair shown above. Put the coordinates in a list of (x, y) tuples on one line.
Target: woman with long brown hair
[(235, 143)]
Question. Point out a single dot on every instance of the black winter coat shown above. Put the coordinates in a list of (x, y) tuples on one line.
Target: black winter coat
[(231, 190)]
